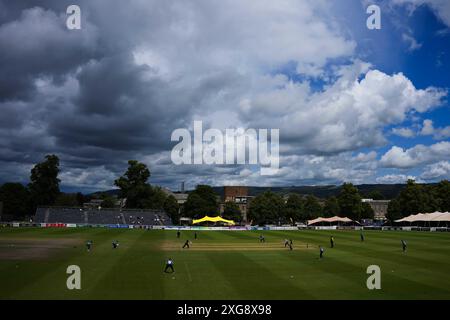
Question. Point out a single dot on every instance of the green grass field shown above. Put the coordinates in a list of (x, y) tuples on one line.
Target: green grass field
[(222, 265)]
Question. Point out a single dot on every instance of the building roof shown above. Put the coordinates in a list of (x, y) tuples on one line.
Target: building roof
[(181, 196)]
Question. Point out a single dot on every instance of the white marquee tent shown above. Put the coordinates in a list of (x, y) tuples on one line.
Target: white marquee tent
[(427, 217), (330, 220)]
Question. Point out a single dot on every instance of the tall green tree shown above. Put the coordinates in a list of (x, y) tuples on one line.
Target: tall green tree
[(394, 210), (172, 208), (44, 182), (108, 202), (155, 199), (294, 207), (350, 202), (331, 207), (442, 193), (207, 193), (231, 211), (367, 211), (375, 195), (200, 202), (266, 208), (16, 200), (311, 208), (81, 198), (133, 185), (195, 207), (416, 198)]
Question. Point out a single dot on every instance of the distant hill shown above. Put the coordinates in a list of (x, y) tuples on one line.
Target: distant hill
[(388, 191), (112, 192)]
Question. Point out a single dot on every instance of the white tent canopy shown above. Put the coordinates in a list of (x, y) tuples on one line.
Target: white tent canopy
[(330, 220), (426, 217)]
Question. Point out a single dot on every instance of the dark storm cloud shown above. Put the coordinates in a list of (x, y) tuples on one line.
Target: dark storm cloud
[(10, 117), (121, 107), (116, 108), (36, 49), (37, 44), (94, 106)]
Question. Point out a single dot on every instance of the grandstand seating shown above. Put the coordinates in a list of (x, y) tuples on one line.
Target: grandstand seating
[(145, 218), (41, 215), (74, 215), (102, 216), (105, 217)]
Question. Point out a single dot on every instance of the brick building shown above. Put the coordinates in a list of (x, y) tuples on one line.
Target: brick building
[(238, 195)]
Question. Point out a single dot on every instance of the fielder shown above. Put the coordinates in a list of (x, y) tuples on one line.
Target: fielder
[(404, 246), (89, 245), (186, 244), (169, 265)]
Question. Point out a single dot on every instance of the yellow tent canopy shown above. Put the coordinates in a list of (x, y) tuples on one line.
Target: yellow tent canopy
[(212, 219)]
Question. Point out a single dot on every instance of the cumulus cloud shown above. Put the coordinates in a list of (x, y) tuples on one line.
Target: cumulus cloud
[(440, 7), (440, 170), (347, 115), (412, 42), (438, 133), (98, 179), (404, 132), (396, 178), (297, 169), (420, 154)]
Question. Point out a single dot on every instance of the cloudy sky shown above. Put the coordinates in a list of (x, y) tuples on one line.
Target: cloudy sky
[(351, 104)]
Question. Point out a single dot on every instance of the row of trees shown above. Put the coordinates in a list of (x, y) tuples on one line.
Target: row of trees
[(43, 189), (204, 201), (21, 200), (270, 207), (420, 198)]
